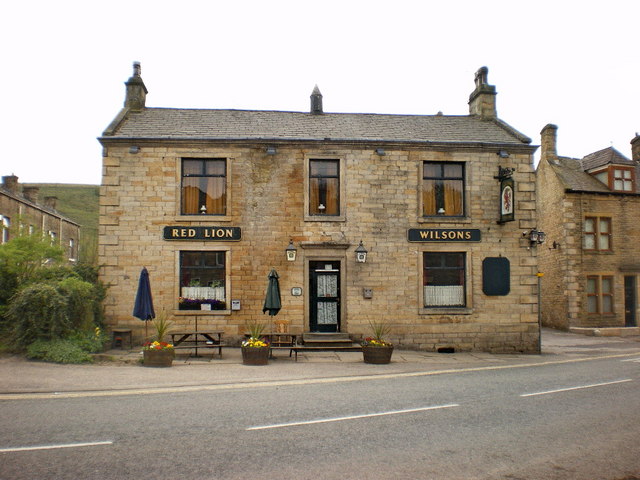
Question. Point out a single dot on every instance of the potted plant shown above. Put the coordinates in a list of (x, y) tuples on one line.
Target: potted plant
[(255, 350), (376, 349), (159, 353)]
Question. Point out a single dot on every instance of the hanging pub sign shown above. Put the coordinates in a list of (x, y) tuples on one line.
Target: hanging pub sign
[(507, 195), (443, 235), (206, 234)]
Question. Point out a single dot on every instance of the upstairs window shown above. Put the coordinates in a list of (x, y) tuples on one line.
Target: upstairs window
[(204, 186), (623, 179), (444, 279), (597, 233), (4, 229), (443, 189), (324, 187)]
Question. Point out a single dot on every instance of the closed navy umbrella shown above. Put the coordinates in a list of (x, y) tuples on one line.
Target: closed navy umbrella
[(272, 302), (143, 308)]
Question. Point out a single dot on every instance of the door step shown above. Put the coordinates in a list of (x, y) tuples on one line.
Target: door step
[(327, 340)]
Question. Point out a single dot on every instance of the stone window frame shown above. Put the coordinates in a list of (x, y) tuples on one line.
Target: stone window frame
[(227, 282), (597, 235), (466, 197), (599, 294), (468, 280), (217, 155), (341, 217)]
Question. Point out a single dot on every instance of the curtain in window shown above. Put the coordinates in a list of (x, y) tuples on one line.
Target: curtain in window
[(443, 296), (429, 197), (190, 196), (453, 197), (215, 195), (325, 192)]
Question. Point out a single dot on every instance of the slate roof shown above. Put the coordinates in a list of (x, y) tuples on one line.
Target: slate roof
[(607, 156), (201, 124), (575, 179)]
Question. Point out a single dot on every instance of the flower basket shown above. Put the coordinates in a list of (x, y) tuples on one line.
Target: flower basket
[(255, 355), (377, 354), (158, 358)]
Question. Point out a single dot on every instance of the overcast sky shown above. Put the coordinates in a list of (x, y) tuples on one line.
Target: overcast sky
[(64, 64)]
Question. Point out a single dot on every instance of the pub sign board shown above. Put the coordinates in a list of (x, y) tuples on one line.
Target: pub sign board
[(206, 234), (443, 235)]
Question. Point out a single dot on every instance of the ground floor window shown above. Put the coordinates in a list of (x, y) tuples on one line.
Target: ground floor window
[(444, 279), (202, 280), (599, 294)]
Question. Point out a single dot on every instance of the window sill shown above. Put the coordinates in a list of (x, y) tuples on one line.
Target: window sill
[(446, 311), (444, 220), (325, 218), (185, 313), (202, 218)]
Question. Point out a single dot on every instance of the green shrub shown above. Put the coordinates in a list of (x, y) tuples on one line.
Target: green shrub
[(38, 312), (91, 342), (58, 351)]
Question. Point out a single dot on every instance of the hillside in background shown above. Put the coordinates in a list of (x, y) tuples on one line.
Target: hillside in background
[(81, 204)]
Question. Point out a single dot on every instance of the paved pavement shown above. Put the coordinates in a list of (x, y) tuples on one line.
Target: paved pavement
[(120, 372)]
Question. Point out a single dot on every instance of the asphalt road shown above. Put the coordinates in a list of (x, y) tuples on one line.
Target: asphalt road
[(563, 421)]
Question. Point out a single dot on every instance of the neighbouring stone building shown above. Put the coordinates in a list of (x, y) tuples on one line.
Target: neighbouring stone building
[(209, 200), (21, 212), (589, 210)]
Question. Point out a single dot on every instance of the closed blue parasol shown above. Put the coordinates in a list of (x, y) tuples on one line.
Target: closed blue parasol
[(272, 302), (143, 308)]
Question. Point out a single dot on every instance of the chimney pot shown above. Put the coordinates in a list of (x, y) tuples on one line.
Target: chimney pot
[(136, 90), (316, 101), (31, 193), (10, 182), (482, 101), (548, 150), (51, 202)]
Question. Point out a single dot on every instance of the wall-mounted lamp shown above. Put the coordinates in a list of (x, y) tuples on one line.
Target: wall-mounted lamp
[(503, 154), (203, 209), (361, 253), (535, 237), (271, 150), (291, 252), (380, 151), (134, 149)]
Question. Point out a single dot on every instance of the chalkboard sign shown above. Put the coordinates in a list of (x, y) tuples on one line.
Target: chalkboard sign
[(496, 276)]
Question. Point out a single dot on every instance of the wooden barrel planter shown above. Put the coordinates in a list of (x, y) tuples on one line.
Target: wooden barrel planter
[(255, 355), (158, 358), (378, 355)]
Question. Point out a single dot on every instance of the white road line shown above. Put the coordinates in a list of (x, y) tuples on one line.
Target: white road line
[(53, 447), (637, 360), (576, 388), (352, 417)]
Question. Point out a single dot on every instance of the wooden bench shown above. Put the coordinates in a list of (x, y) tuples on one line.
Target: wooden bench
[(306, 348)]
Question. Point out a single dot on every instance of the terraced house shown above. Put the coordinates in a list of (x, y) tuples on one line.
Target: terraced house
[(589, 209), (414, 220)]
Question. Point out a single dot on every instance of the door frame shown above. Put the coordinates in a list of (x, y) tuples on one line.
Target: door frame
[(318, 252), (630, 296), (316, 271)]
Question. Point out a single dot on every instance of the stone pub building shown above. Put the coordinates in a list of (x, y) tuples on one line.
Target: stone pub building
[(413, 220)]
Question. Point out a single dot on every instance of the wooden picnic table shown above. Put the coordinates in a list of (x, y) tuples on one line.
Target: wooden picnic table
[(194, 339)]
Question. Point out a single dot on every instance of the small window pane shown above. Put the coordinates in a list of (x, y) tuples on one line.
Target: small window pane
[(606, 285), (591, 285), (432, 170), (452, 170), (192, 167), (216, 167), (592, 304), (590, 242), (589, 225), (604, 225), (617, 185), (627, 174), (323, 168), (607, 304)]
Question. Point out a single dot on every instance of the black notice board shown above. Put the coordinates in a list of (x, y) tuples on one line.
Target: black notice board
[(496, 276)]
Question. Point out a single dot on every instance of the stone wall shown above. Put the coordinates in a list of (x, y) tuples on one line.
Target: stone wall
[(140, 195)]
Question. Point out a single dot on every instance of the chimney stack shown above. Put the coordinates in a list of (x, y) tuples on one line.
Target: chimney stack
[(548, 150), (635, 148), (316, 101), (10, 182), (482, 102), (31, 193), (136, 90), (51, 202)]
